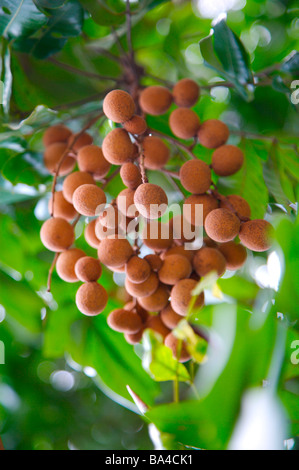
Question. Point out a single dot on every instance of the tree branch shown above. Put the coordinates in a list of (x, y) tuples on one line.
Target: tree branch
[(84, 73)]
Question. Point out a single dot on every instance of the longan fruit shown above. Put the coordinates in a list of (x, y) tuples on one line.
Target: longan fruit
[(134, 338), (182, 230), (154, 261), (136, 125), (149, 198), (73, 181), (110, 217), (181, 295), (117, 147), (156, 153), (143, 289), (136, 307), (130, 175), (77, 141), (235, 254), (155, 323), (156, 301), (179, 250), (87, 198), (174, 268), (57, 133), (157, 235), (88, 269), (91, 159), (155, 100), (103, 232), (124, 321), (118, 106), (52, 157), (185, 93), (114, 251), (62, 208), (210, 243), (195, 176), (209, 259), (213, 133), (222, 225), (256, 234), (240, 205), (125, 203), (90, 235), (137, 269), (169, 317), (66, 262), (208, 202), (184, 123), (57, 234), (178, 348), (91, 298), (227, 160)]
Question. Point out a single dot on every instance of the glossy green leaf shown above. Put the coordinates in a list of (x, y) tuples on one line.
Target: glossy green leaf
[(24, 19), (105, 13), (292, 64)]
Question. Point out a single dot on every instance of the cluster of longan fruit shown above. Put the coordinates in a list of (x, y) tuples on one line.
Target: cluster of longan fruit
[(159, 284)]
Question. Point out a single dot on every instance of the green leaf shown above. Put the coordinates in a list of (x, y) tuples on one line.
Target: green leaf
[(23, 20), (6, 78), (10, 197), (39, 116), (105, 13), (238, 288), (159, 362), (292, 64), (49, 4)]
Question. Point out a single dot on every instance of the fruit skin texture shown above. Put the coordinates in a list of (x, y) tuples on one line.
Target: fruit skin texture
[(155, 323), (179, 250), (57, 234), (174, 268), (87, 198), (117, 147), (91, 159), (125, 203), (240, 205), (79, 141), (134, 338), (157, 237), (155, 100), (91, 298), (156, 301), (207, 260), (209, 203), (156, 153), (52, 156), (227, 160), (142, 289), (213, 133), (235, 254), (66, 262), (222, 225), (169, 317), (88, 269), (181, 295), (124, 321), (118, 106), (195, 176), (90, 235), (130, 175), (137, 269), (73, 181), (62, 208), (136, 125), (114, 252), (185, 93), (58, 133), (173, 343), (184, 123), (148, 194), (256, 234), (154, 261)]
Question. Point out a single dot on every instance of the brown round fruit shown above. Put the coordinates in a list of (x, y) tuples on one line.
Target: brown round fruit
[(157, 235), (130, 175), (52, 157), (57, 234), (156, 301), (235, 254), (88, 198), (155, 323), (66, 262), (125, 203), (90, 235), (227, 160), (209, 259), (58, 133), (91, 159), (195, 176), (213, 133), (154, 261), (169, 317), (178, 348), (185, 93), (118, 106), (174, 268), (184, 123), (156, 153), (222, 225), (179, 250), (79, 140), (150, 200), (117, 147), (88, 269), (136, 125), (73, 181), (238, 204), (62, 208), (192, 215), (124, 321), (91, 298), (181, 295), (114, 252), (137, 269), (134, 338), (256, 235), (155, 100), (143, 289)]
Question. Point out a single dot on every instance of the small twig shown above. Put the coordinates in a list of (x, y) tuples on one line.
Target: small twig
[(51, 272), (224, 199), (129, 31), (84, 73), (76, 220), (120, 46), (172, 174), (142, 169), (167, 83), (107, 180)]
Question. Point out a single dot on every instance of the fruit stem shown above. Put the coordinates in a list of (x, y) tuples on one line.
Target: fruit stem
[(51, 272)]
